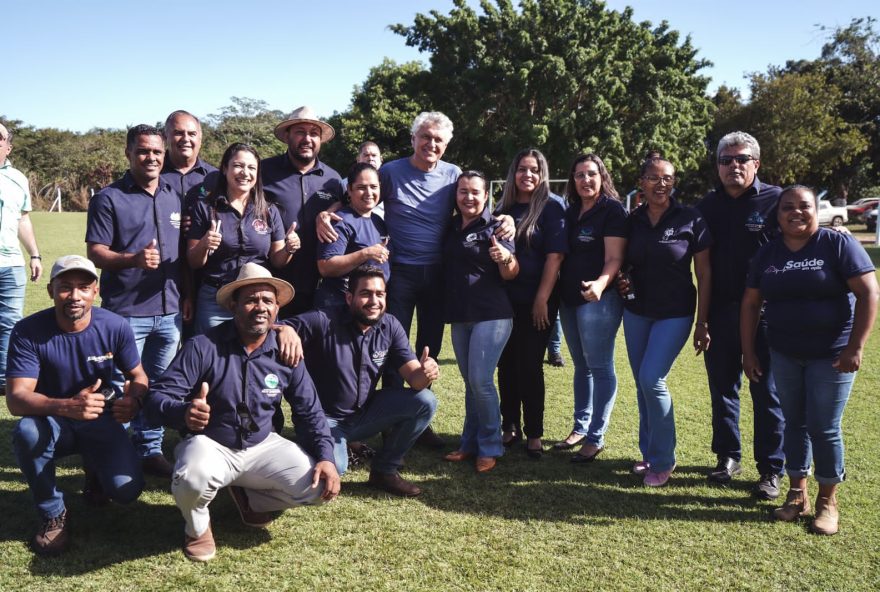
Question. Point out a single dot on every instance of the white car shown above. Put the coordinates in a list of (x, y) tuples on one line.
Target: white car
[(831, 215)]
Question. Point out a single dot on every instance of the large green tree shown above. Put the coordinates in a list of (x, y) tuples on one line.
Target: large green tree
[(244, 120)]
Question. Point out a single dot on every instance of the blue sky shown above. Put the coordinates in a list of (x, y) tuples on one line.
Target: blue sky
[(114, 63)]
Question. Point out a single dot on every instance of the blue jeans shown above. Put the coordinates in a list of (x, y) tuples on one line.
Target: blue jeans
[(105, 448), (157, 339), (652, 346), (813, 395), (404, 412), (590, 330), (478, 348), (208, 312), (554, 346), (12, 288)]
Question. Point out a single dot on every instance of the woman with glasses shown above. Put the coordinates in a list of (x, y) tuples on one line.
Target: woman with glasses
[(591, 309), (476, 267), (819, 294), (541, 244), (660, 300)]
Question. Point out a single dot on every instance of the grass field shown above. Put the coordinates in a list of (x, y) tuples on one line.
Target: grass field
[(545, 526)]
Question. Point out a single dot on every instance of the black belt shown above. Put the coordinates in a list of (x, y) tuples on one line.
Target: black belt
[(213, 282)]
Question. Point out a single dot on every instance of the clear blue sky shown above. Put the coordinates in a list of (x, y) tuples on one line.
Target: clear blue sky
[(113, 63)]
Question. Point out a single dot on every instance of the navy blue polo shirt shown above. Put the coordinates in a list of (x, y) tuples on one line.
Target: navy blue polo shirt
[(219, 358), (739, 227), (65, 363), (355, 232), (346, 363), (475, 290), (300, 198), (126, 218), (245, 238), (549, 237), (586, 244), (193, 185), (808, 306), (661, 257)]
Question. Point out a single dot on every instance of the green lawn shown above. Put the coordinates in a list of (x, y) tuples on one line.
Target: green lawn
[(528, 525)]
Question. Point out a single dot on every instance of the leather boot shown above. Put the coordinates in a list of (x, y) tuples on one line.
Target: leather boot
[(827, 517), (796, 505)]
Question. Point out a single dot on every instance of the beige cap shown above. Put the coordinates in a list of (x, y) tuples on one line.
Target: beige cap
[(304, 115), (72, 263), (251, 273)]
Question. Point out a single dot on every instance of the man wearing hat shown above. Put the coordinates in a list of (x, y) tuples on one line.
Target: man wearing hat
[(221, 392), (15, 226), (60, 368), (301, 186)]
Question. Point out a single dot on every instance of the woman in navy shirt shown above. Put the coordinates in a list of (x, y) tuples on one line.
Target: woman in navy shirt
[(660, 300), (361, 238), (477, 306), (819, 295), (591, 309), (234, 225), (541, 244)]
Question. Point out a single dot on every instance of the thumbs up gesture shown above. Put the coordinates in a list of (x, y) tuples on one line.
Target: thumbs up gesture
[(212, 238), (497, 253), (291, 240), (126, 408), (149, 258), (198, 413), (88, 403), (429, 366)]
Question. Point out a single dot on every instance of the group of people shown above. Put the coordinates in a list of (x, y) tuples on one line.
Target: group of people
[(292, 282)]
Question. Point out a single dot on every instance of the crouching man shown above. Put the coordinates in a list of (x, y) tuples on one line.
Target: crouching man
[(61, 363), (221, 392)]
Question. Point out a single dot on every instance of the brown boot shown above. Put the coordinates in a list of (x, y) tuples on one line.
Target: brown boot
[(200, 548), (827, 517), (393, 483), (796, 505), (248, 516), (53, 537)]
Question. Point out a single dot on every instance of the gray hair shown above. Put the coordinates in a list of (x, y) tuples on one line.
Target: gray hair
[(434, 118), (739, 139), (169, 121)]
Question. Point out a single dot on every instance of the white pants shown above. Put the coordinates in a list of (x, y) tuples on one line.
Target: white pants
[(276, 474)]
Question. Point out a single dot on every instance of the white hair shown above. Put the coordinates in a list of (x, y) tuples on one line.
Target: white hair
[(739, 139), (434, 118)]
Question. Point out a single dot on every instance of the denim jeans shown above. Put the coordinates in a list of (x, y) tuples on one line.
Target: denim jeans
[(208, 312), (652, 346), (590, 330), (813, 395), (478, 347), (12, 288), (157, 339), (554, 346), (404, 412), (105, 448)]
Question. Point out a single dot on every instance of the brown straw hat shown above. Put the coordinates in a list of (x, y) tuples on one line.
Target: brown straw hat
[(251, 273)]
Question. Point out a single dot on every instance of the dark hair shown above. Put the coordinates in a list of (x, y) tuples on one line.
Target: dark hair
[(472, 174), (180, 113), (571, 194), (358, 168), (261, 206), (141, 130), (363, 271), (526, 228), (649, 162), (368, 143), (798, 187)]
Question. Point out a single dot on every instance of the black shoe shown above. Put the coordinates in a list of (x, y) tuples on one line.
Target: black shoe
[(158, 466), (430, 439), (724, 470), (515, 437), (767, 487), (578, 458), (393, 483), (555, 359)]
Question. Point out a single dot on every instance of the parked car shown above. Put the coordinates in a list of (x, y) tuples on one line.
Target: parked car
[(871, 220), (831, 215), (860, 207)]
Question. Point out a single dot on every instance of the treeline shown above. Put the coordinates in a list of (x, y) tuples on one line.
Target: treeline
[(566, 76)]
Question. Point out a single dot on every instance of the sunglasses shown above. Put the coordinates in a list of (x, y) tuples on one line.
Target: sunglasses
[(740, 158)]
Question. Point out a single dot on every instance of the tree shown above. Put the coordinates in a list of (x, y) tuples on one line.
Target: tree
[(565, 76), (245, 120)]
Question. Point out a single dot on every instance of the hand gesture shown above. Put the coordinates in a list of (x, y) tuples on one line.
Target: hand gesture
[(198, 413), (592, 291), (148, 258), (88, 403), (429, 366), (324, 227), (377, 253), (291, 240), (507, 229), (211, 239), (126, 408), (497, 253), (326, 471)]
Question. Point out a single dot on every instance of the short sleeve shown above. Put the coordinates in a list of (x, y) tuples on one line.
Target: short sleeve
[(100, 223), (553, 227), (26, 205), (278, 232), (753, 278), (23, 360), (853, 260), (702, 239), (615, 222), (338, 247), (201, 221), (127, 357)]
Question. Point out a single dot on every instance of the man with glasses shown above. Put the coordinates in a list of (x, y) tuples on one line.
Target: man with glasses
[(221, 392), (741, 215)]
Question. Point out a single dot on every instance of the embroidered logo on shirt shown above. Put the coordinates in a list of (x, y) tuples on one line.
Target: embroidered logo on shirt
[(586, 235), (470, 239), (379, 357), (260, 227), (271, 381), (324, 195), (175, 219), (755, 222), (99, 359)]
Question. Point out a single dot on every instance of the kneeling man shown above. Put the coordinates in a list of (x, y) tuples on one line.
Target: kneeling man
[(221, 392), (61, 363), (346, 353)]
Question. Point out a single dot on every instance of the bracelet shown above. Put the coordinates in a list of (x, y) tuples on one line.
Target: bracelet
[(36, 257), (702, 324)]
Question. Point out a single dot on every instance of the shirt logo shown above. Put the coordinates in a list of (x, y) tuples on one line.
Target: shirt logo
[(379, 357), (175, 219), (260, 227), (586, 235), (755, 222), (667, 234), (271, 381), (324, 195), (813, 264), (99, 359)]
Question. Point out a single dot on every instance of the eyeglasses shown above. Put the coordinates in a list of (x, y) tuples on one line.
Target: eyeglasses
[(654, 179), (740, 158), (247, 420)]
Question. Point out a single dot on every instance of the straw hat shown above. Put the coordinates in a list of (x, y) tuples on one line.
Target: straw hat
[(304, 115), (251, 273)]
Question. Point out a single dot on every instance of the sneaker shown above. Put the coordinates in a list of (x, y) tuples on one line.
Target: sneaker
[(200, 548), (796, 505), (827, 517), (658, 479), (248, 516), (54, 536), (555, 359), (641, 467), (767, 487), (724, 471)]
